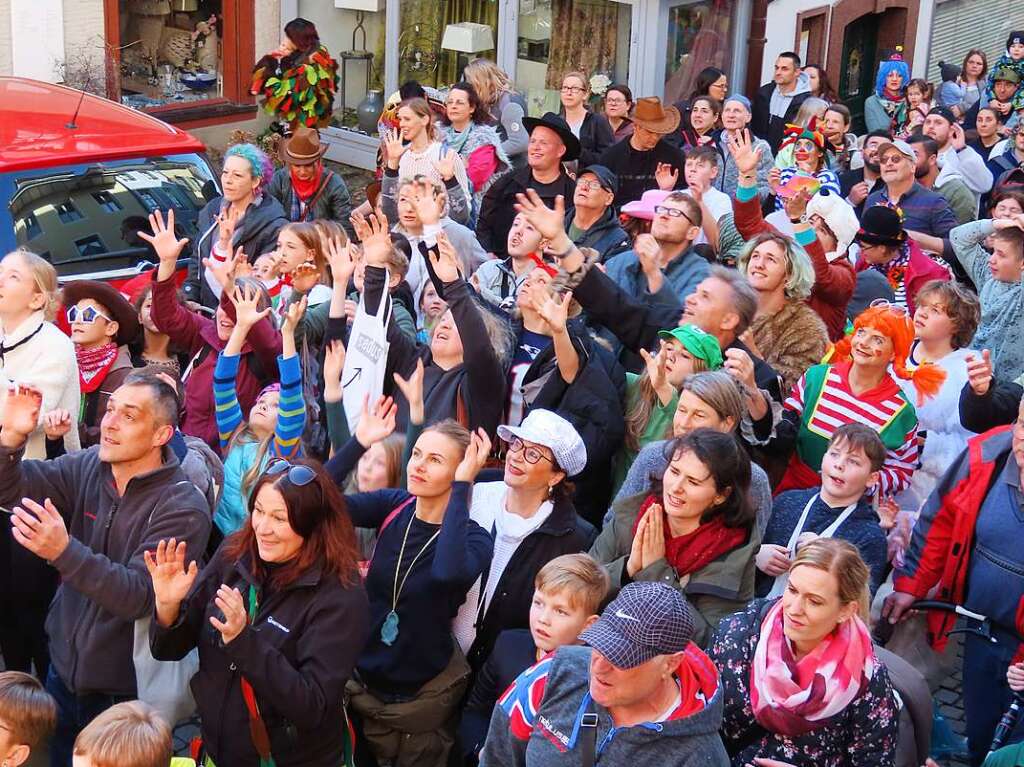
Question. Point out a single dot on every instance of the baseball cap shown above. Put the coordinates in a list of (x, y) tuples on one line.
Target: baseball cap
[(543, 427), (608, 180), (901, 146), (697, 342), (945, 113), (1006, 73), (645, 620)]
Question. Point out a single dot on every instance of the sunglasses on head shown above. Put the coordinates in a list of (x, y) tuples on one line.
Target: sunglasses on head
[(88, 315), (298, 474)]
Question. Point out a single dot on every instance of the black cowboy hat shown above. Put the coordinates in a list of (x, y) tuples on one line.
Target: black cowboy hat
[(110, 298), (558, 124), (881, 225)]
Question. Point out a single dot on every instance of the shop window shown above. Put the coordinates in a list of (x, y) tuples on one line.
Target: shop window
[(559, 36), (177, 54), (699, 35), (434, 47)]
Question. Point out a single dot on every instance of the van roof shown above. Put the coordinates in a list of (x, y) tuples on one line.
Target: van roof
[(34, 130)]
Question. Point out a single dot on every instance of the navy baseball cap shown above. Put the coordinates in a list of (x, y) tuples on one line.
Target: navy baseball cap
[(609, 181), (645, 620), (945, 113)]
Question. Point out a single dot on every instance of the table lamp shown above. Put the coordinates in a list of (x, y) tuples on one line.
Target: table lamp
[(465, 38)]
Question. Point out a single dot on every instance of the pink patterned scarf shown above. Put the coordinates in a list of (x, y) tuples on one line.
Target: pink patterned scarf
[(792, 697)]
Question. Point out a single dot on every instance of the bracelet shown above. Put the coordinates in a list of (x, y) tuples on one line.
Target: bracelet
[(560, 256)]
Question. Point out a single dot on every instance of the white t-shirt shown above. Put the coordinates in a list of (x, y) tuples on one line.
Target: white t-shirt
[(487, 509), (719, 203)]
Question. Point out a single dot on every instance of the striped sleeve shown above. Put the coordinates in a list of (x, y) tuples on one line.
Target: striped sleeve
[(225, 397), (795, 400), (521, 701), (900, 464), (291, 409), (830, 181)]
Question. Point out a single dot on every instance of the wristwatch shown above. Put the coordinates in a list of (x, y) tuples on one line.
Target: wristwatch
[(801, 220)]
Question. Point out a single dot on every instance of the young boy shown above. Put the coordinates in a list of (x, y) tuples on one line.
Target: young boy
[(128, 734), (997, 276), (27, 716), (840, 508), (701, 171), (103, 323), (498, 280), (568, 594)]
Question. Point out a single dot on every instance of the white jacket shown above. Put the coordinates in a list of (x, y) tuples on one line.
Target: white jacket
[(47, 361), (969, 165)]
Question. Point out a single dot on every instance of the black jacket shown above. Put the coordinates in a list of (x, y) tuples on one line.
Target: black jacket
[(636, 169), (764, 125), (297, 655), (636, 325), (563, 532), (998, 407), (849, 179), (605, 236), (331, 200), (497, 210), (596, 135), (255, 234)]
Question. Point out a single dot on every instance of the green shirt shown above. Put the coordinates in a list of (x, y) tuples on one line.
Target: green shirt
[(658, 424), (1008, 756)]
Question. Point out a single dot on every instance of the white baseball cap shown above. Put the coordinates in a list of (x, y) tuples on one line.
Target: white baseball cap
[(543, 427)]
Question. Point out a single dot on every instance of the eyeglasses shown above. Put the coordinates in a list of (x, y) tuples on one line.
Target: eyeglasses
[(298, 475), (589, 186), (572, 89), (881, 303), (892, 159), (661, 210), (531, 455), (87, 315)]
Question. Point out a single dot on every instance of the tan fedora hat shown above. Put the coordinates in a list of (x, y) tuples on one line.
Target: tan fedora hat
[(303, 147), (649, 113)]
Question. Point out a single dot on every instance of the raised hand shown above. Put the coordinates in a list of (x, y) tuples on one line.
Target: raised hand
[(796, 206), (231, 604), (40, 528), (656, 367), (635, 563), (475, 458), (979, 372), (305, 276), (57, 423), (554, 310), (172, 580), (247, 311), (774, 179), (445, 260), (550, 222), (740, 366), (293, 315), (226, 223), (445, 166), (376, 239), (654, 541), (746, 156), (888, 510), (957, 137), (164, 241), (377, 423), (392, 147), (412, 390), (342, 260), (427, 203), (21, 414), (334, 365), (666, 176), (227, 270), (648, 253)]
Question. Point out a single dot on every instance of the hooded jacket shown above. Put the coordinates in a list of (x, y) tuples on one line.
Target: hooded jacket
[(537, 721), (105, 586), (720, 588), (198, 336), (605, 236), (297, 654), (255, 234), (768, 102)]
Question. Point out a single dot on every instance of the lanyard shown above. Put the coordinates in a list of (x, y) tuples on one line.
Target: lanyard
[(828, 532)]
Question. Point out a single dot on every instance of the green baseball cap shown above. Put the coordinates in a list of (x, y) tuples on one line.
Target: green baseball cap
[(696, 342), (1007, 74)]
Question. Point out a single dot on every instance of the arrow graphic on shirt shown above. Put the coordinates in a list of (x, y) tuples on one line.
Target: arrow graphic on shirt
[(353, 379)]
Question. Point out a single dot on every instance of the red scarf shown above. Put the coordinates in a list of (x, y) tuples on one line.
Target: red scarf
[(693, 551), (892, 95), (94, 364), (306, 189), (793, 697)]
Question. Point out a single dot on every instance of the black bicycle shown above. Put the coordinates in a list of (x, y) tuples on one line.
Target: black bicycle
[(979, 625)]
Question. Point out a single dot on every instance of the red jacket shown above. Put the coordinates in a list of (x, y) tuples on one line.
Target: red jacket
[(920, 270), (193, 332), (833, 282), (940, 549)]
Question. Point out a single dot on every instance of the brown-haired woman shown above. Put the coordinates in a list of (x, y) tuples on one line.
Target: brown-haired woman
[(770, 654), (469, 131), (972, 76), (618, 106), (279, 617)]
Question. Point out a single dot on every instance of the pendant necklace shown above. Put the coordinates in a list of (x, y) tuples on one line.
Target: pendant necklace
[(389, 631)]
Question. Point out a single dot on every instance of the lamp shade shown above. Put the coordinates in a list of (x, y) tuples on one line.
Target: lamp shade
[(467, 37)]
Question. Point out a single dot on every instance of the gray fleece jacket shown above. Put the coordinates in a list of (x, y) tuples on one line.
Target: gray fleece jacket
[(537, 721), (105, 586)]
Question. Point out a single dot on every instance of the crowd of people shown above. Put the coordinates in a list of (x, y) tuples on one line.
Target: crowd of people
[(611, 435)]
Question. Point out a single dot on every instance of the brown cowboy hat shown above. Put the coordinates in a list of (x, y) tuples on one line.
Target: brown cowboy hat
[(649, 113), (110, 298), (303, 147)]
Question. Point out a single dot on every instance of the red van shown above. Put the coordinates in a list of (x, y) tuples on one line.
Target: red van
[(79, 176)]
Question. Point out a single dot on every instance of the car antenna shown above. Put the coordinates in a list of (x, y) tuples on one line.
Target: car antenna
[(71, 125)]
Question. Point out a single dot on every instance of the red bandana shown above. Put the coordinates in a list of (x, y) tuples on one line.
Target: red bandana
[(693, 551), (306, 189), (94, 364)]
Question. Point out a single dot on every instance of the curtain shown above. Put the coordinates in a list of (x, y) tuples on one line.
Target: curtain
[(479, 12), (583, 37), (698, 37)]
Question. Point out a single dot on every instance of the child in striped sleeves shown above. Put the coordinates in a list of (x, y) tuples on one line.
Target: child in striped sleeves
[(275, 424)]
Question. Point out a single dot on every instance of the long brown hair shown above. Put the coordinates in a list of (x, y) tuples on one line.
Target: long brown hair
[(317, 512), (641, 404), (309, 235)]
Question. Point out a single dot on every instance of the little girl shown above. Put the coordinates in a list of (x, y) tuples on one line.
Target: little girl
[(275, 422), (301, 264), (919, 104), (651, 396)]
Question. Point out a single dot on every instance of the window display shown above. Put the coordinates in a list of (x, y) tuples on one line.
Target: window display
[(699, 36), (170, 51)]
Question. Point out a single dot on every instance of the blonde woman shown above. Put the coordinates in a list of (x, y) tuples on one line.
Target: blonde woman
[(32, 349), (507, 107)]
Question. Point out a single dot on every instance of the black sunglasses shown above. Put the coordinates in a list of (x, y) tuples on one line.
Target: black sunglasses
[(298, 474)]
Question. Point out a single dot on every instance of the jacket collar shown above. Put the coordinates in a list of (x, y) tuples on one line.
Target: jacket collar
[(25, 329), (158, 477), (310, 577)]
